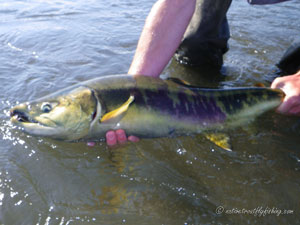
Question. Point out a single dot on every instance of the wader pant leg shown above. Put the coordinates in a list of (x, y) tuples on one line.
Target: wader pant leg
[(290, 61), (205, 40)]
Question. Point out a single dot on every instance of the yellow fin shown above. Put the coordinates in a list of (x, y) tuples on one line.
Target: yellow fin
[(221, 140), (117, 112)]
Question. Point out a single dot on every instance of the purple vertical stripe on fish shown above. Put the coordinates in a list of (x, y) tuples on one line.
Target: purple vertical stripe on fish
[(198, 108)]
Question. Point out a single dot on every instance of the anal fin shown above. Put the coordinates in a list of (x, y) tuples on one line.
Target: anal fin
[(219, 139)]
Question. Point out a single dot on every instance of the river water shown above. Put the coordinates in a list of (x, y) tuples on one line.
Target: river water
[(47, 45)]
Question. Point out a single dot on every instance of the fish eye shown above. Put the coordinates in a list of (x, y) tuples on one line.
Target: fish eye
[(46, 107)]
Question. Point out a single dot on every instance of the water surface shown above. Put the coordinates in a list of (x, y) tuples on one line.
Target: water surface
[(47, 45)]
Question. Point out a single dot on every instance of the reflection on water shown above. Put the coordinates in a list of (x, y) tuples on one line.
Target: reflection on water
[(47, 45)]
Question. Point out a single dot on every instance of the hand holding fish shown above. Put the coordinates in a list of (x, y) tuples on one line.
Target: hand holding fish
[(291, 86)]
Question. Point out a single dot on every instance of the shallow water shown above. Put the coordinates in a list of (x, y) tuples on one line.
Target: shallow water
[(47, 45)]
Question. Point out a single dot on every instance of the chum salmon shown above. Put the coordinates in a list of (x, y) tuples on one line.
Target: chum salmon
[(143, 106)]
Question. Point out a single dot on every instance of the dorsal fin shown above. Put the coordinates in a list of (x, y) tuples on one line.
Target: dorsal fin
[(184, 83), (179, 81), (259, 85)]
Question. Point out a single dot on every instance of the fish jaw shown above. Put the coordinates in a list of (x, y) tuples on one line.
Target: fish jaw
[(21, 118), (68, 116), (35, 128)]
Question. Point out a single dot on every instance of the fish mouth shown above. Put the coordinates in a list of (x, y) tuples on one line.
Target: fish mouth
[(30, 125), (22, 117)]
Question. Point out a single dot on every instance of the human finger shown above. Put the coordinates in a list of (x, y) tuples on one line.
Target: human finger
[(111, 138), (121, 136), (133, 138)]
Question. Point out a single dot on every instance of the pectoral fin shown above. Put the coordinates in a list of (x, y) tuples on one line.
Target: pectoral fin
[(117, 112), (221, 140)]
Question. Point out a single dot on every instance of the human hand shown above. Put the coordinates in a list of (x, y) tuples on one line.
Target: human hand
[(290, 85), (114, 137), (118, 137)]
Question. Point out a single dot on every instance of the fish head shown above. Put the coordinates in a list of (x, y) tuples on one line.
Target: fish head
[(65, 115)]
